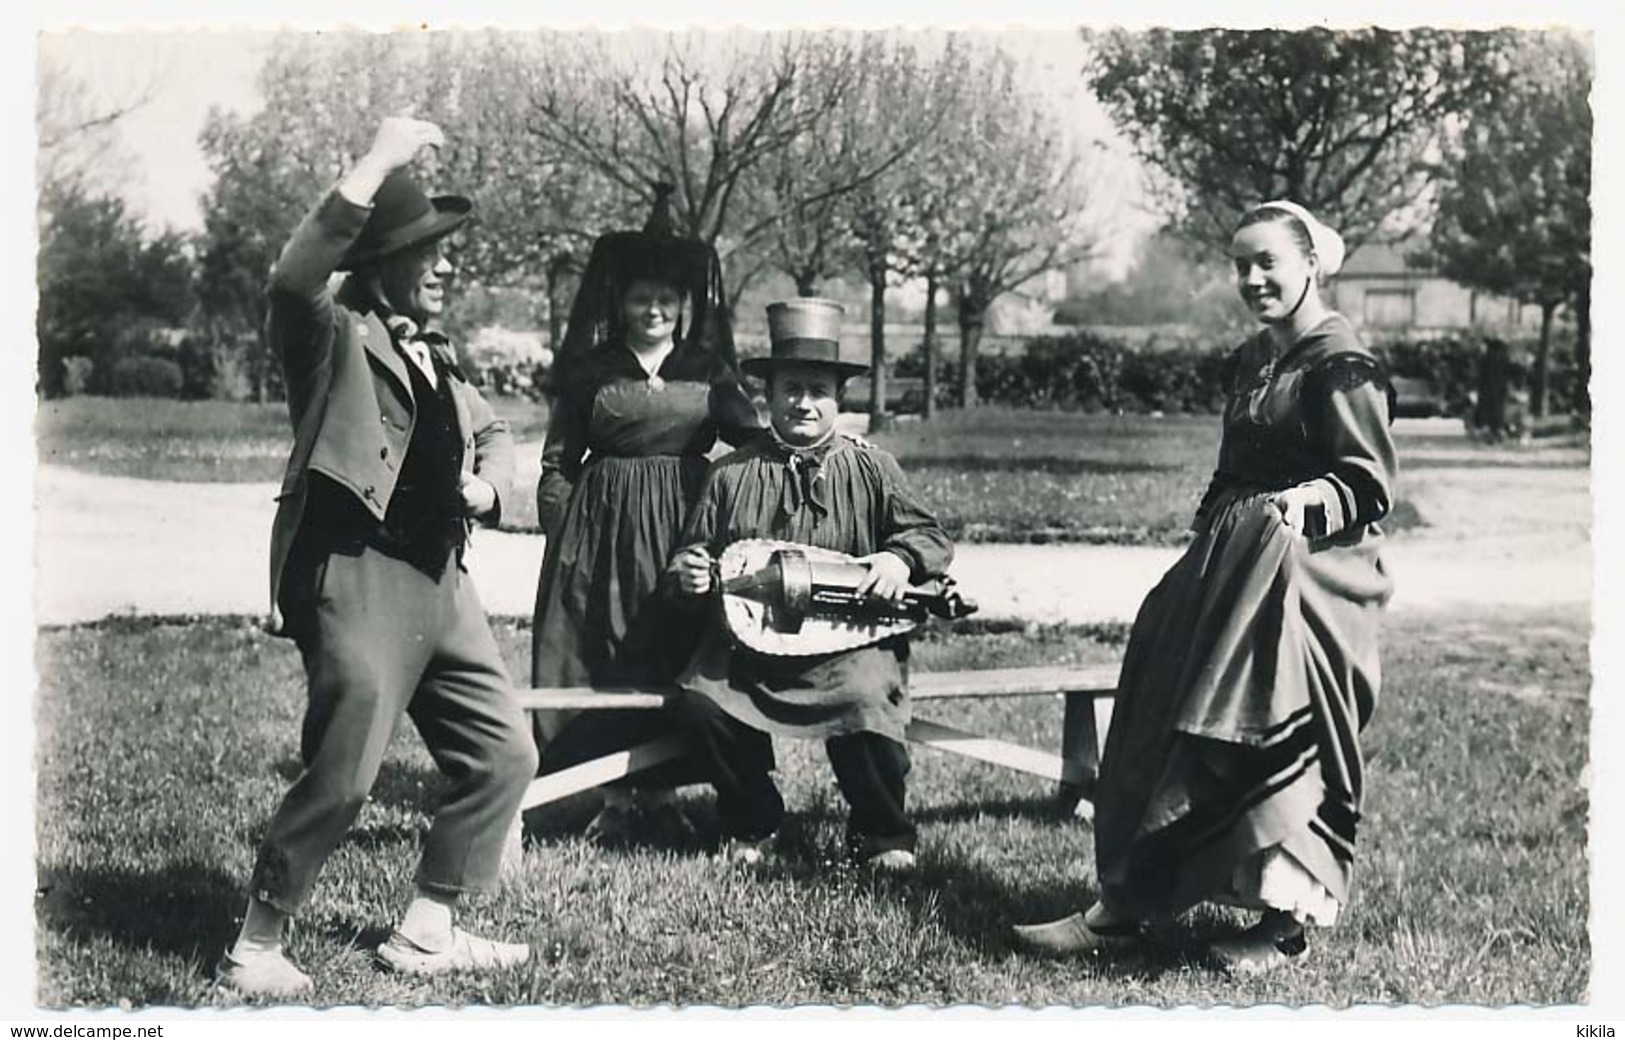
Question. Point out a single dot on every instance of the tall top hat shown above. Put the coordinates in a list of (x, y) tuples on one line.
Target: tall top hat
[(655, 253), (402, 217), (806, 330)]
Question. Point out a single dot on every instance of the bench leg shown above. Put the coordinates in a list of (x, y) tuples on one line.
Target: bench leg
[(1080, 750)]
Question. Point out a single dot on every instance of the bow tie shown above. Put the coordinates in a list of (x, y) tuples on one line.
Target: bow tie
[(431, 350)]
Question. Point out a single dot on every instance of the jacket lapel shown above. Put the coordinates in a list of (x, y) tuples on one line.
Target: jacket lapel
[(375, 338)]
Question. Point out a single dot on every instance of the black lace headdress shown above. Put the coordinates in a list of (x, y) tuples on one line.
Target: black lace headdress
[(620, 258)]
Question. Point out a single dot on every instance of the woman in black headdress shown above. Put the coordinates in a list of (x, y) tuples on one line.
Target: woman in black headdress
[(645, 382)]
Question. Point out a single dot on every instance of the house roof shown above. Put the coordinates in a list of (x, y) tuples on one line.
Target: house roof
[(1382, 258)]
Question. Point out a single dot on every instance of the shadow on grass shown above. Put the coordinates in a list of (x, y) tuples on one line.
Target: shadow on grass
[(1404, 517), (398, 785), (980, 909), (349, 934), (1052, 465), (186, 909), (1499, 463), (1031, 807)]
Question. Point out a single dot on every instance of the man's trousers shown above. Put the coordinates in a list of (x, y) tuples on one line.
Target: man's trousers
[(871, 771), (381, 639)]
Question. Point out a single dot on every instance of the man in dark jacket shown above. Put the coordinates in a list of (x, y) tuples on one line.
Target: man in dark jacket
[(809, 484), (395, 457)]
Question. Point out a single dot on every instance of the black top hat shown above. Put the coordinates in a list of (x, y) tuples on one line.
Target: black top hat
[(807, 331), (402, 217)]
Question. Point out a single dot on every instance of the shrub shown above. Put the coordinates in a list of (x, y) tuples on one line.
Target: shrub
[(145, 377), (76, 374), (527, 379), (1450, 364), (1090, 372)]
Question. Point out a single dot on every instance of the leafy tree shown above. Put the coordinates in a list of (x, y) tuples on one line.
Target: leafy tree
[(103, 286), (537, 211), (322, 98), (1514, 213), (1347, 123)]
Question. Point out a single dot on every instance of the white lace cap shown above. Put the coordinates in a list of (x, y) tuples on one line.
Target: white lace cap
[(1328, 244)]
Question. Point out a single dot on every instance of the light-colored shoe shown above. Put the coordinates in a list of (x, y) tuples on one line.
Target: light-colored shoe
[(465, 952), (268, 974), (892, 861), (1071, 935), (738, 852), (1265, 947)]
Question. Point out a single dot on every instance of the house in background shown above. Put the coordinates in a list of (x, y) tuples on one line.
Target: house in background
[(1384, 294)]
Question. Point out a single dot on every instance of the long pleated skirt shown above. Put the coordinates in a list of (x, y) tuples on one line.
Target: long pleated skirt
[(1232, 769), (600, 619)]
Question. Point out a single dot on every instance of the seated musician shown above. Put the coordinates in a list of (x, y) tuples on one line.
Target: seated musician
[(808, 484)]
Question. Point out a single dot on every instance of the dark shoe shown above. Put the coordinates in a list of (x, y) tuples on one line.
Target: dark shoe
[(614, 826), (269, 974), (1072, 934), (662, 819)]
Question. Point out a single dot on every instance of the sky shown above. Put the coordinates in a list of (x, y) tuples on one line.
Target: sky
[(186, 73)]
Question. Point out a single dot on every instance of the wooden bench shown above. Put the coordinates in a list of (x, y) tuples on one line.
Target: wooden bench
[(1084, 691)]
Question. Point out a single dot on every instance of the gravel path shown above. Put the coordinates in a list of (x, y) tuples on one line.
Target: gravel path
[(112, 545)]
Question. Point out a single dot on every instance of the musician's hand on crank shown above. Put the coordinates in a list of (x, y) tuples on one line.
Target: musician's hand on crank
[(887, 577), (692, 566)]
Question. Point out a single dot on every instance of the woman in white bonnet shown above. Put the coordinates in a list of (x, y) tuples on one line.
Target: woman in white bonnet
[(1232, 770)]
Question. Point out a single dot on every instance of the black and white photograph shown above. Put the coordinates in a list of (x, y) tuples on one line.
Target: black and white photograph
[(756, 513)]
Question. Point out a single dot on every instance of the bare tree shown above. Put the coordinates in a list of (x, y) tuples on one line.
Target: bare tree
[(77, 132), (804, 193), (907, 95), (714, 114), (1006, 203)]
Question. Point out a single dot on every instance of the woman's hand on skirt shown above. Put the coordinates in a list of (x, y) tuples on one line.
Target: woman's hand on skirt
[(1299, 508)]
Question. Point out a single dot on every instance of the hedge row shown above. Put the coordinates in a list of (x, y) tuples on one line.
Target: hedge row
[(1088, 372), (1082, 371)]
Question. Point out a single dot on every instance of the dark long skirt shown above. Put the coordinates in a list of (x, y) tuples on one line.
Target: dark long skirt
[(1250, 671), (600, 619)]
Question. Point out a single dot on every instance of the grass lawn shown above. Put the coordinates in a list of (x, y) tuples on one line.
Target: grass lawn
[(162, 747), (991, 475), (210, 441)]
